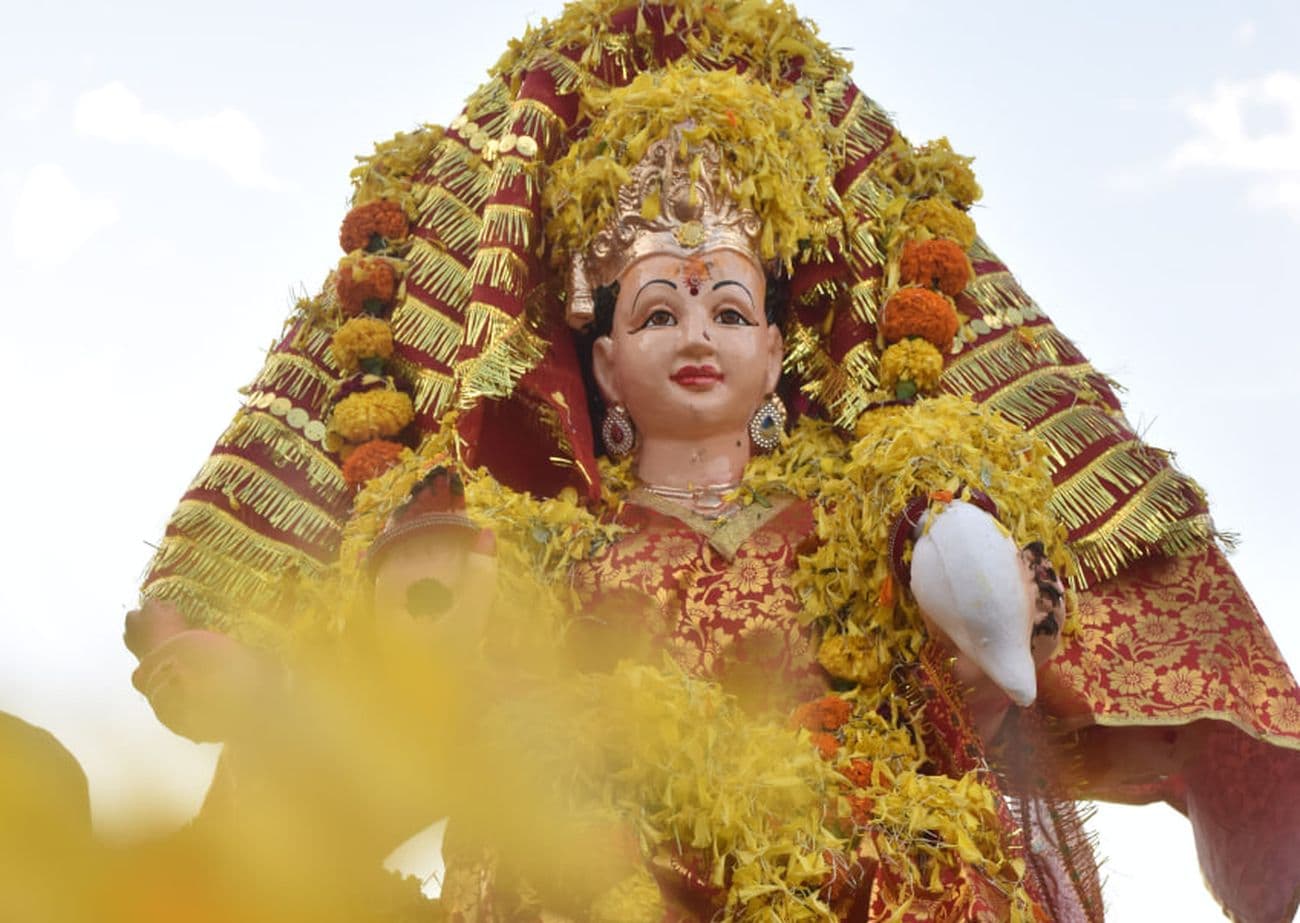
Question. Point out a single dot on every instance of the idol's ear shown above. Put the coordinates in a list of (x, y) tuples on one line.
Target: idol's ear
[(775, 355), (602, 367)]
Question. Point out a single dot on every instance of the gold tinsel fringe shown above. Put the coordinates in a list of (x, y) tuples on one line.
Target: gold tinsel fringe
[(246, 484), (508, 225), (509, 355), (451, 221), (431, 391), (440, 274), (425, 328), (290, 373), (1077, 428), (289, 447), (1008, 359), (221, 534), (499, 267), (462, 172)]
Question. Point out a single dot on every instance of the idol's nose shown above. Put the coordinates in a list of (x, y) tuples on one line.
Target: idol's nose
[(696, 336)]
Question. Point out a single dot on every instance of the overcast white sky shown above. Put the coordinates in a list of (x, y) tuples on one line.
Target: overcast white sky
[(170, 175)]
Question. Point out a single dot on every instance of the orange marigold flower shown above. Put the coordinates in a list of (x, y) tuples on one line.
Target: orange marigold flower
[(368, 226), (364, 284), (371, 459), (828, 713), (826, 744), (919, 312), (858, 772), (937, 263), (860, 810)]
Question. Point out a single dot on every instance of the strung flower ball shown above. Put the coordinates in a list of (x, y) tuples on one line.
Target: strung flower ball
[(855, 658), (937, 263), (919, 312), (359, 339), (372, 415), (940, 218), (910, 366), (365, 284), (371, 459), (372, 226)]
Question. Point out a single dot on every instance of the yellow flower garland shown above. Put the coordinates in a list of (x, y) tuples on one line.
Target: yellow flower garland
[(776, 156)]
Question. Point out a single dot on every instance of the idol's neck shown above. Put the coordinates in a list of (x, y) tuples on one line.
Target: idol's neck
[(693, 462)]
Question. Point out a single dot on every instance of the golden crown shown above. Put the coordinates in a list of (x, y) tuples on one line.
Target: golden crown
[(673, 202)]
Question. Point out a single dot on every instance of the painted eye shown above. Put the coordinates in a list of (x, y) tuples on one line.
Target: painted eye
[(733, 318), (659, 318)]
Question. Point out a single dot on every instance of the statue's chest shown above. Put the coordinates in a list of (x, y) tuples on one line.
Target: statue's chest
[(727, 613)]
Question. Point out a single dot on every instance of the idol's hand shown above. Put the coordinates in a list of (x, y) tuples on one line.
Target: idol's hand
[(204, 685), (150, 625), (971, 586), (435, 586)]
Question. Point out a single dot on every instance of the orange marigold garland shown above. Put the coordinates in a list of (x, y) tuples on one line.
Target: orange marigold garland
[(373, 226), (372, 415), (365, 284), (359, 340), (939, 263), (919, 312), (371, 459)]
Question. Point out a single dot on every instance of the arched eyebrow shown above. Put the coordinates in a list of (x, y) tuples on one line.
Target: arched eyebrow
[(668, 282), (739, 285)]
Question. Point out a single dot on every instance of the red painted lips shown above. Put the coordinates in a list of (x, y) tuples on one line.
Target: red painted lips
[(696, 376)]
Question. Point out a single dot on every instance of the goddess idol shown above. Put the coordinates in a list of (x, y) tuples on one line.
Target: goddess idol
[(846, 564)]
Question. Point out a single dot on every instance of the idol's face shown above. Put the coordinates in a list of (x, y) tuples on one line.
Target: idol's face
[(691, 353)]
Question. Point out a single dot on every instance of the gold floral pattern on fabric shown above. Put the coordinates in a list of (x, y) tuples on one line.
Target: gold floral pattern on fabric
[(727, 617), (1173, 640)]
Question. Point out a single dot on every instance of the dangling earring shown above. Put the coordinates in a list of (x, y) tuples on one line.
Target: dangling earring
[(767, 425), (618, 432)]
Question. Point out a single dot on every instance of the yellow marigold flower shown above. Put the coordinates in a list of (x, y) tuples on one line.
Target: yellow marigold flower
[(636, 899), (361, 338), (912, 360), (939, 218), (855, 658), (372, 415)]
